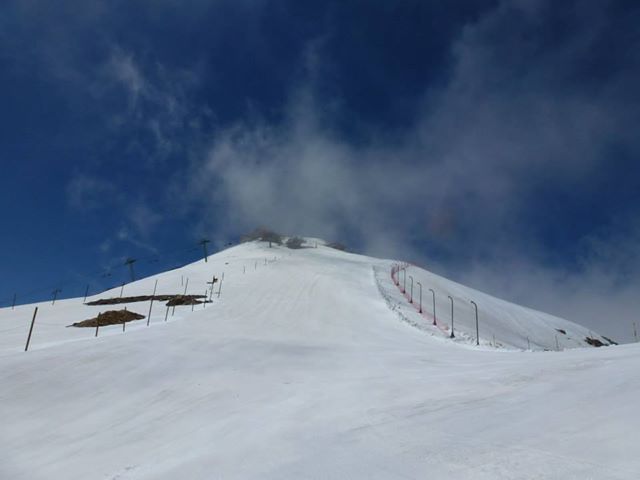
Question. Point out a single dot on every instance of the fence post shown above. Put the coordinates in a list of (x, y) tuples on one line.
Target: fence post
[(33, 320), (98, 323)]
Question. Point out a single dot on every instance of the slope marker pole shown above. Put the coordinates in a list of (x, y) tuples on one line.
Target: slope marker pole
[(33, 320), (86, 292), (152, 299), (433, 294), (477, 328), (220, 285), (97, 324), (411, 296), (166, 314), (452, 334)]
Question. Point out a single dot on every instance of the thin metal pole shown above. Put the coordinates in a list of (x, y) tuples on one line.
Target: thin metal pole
[(185, 286), (86, 292), (452, 334), (122, 290), (477, 327), (220, 285), (55, 295), (420, 285), (124, 321), (404, 282), (204, 300), (33, 320), (151, 304), (434, 305), (166, 314), (97, 324), (411, 296)]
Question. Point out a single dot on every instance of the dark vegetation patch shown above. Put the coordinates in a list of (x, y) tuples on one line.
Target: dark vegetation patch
[(186, 300), (112, 317), (145, 298), (561, 330), (295, 243), (594, 342)]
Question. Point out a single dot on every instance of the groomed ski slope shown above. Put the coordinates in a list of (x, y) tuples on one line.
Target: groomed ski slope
[(312, 365)]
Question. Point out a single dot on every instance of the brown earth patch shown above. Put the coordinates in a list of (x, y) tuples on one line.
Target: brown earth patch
[(146, 298), (112, 317), (594, 342), (177, 300)]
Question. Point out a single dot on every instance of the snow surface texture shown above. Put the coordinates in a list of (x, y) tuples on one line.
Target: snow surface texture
[(312, 364)]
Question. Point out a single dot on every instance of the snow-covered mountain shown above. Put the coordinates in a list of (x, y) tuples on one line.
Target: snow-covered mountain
[(311, 363)]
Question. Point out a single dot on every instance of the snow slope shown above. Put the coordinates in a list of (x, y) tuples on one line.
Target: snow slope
[(311, 364)]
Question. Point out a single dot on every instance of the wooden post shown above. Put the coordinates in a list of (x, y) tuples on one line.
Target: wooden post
[(151, 304), (98, 323), (33, 320)]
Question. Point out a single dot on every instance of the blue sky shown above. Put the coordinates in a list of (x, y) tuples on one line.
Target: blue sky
[(494, 142)]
